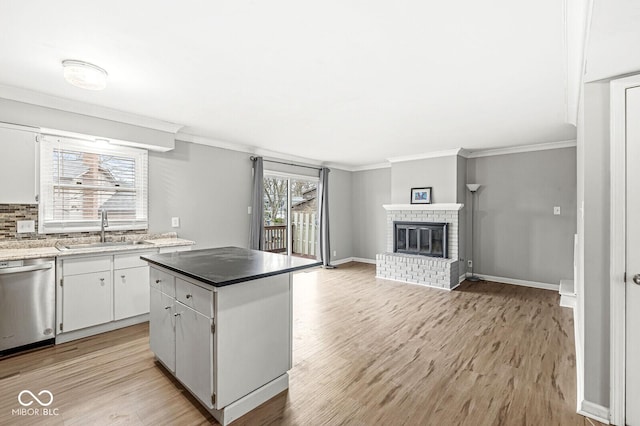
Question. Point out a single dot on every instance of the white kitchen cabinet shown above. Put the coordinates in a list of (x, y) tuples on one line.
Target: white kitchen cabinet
[(87, 300), (130, 292), (162, 338), (130, 285), (84, 309), (18, 170), (194, 352)]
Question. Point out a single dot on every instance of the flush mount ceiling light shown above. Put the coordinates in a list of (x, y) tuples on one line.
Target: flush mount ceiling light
[(84, 75)]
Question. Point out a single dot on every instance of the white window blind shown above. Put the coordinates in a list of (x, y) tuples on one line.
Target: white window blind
[(80, 178)]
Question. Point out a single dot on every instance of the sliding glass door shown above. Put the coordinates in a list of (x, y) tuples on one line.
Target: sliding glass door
[(290, 214)]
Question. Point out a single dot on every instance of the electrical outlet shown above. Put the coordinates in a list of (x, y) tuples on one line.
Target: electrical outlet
[(24, 226), (249, 210), (335, 253), (175, 222), (556, 210), (470, 263)]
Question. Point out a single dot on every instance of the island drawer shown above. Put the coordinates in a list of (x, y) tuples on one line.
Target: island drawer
[(195, 297), (162, 281)]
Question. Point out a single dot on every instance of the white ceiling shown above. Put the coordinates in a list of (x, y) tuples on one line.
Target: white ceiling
[(342, 81)]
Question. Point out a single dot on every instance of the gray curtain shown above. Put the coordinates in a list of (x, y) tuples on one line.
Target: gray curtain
[(256, 232), (323, 197)]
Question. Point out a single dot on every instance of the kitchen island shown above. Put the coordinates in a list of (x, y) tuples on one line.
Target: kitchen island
[(221, 323)]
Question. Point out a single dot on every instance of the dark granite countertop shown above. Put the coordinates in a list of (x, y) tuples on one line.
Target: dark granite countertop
[(228, 265)]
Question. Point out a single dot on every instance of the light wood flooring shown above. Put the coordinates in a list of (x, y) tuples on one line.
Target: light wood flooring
[(366, 352)]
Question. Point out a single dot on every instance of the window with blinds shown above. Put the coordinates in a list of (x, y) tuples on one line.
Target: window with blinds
[(80, 178)]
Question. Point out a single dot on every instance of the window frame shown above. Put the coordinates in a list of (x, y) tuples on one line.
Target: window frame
[(48, 225)]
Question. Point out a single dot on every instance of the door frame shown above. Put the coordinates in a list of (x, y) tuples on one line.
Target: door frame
[(617, 265), (290, 177)]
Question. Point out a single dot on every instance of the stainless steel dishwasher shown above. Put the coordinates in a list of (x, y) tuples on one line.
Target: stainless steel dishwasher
[(27, 304)]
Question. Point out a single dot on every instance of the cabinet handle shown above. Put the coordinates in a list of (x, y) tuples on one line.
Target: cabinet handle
[(101, 281), (158, 281), (189, 296), (177, 314), (167, 307), (122, 276)]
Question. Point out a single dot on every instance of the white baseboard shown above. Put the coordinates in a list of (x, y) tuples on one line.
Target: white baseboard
[(567, 301), (462, 278), (102, 328), (594, 411), (364, 260), (422, 285), (353, 259), (248, 402), (524, 283)]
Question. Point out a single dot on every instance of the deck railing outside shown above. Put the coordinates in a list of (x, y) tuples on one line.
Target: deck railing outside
[(275, 238), (303, 239)]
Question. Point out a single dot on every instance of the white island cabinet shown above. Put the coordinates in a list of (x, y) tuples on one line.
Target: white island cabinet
[(221, 322)]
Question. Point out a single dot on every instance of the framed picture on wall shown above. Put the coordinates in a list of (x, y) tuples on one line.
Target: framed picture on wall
[(421, 195)]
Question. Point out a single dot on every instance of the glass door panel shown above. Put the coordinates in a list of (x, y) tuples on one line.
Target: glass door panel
[(304, 213), (276, 214)]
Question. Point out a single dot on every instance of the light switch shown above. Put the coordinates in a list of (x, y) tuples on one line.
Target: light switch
[(556, 210), (175, 222), (25, 226)]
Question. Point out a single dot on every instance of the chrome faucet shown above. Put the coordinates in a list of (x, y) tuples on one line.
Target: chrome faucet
[(104, 223)]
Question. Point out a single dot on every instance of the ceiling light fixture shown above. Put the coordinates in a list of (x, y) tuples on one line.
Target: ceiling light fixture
[(84, 75)]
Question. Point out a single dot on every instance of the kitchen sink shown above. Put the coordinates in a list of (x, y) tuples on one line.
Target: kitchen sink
[(105, 244)]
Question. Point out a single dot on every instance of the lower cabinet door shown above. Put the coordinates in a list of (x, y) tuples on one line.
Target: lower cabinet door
[(131, 292), (86, 300), (162, 338), (194, 352)]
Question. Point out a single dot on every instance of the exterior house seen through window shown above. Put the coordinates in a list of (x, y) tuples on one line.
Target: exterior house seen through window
[(79, 179)]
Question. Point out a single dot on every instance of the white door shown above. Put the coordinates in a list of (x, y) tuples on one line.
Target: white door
[(633, 258), (162, 339), (86, 300), (130, 292), (194, 352)]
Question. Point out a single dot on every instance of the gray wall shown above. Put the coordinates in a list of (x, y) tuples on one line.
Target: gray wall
[(516, 234), (210, 189), (596, 177), (340, 214), (463, 226), (438, 173), (371, 189)]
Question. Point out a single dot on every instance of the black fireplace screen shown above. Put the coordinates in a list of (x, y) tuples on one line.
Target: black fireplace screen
[(424, 238)]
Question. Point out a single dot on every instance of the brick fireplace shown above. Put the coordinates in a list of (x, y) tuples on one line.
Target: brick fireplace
[(440, 272)]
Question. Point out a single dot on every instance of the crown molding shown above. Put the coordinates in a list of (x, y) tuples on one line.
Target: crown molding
[(433, 154), (465, 153), (217, 143), (370, 167), (63, 104), (520, 149), (201, 140)]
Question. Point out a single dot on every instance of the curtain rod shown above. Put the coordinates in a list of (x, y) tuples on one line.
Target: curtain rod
[(252, 158)]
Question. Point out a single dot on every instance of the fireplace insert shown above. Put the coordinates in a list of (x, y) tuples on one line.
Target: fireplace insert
[(423, 238)]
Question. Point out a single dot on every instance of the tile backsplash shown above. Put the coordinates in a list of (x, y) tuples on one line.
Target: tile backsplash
[(10, 214)]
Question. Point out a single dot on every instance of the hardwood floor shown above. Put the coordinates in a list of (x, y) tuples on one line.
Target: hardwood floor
[(366, 352)]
